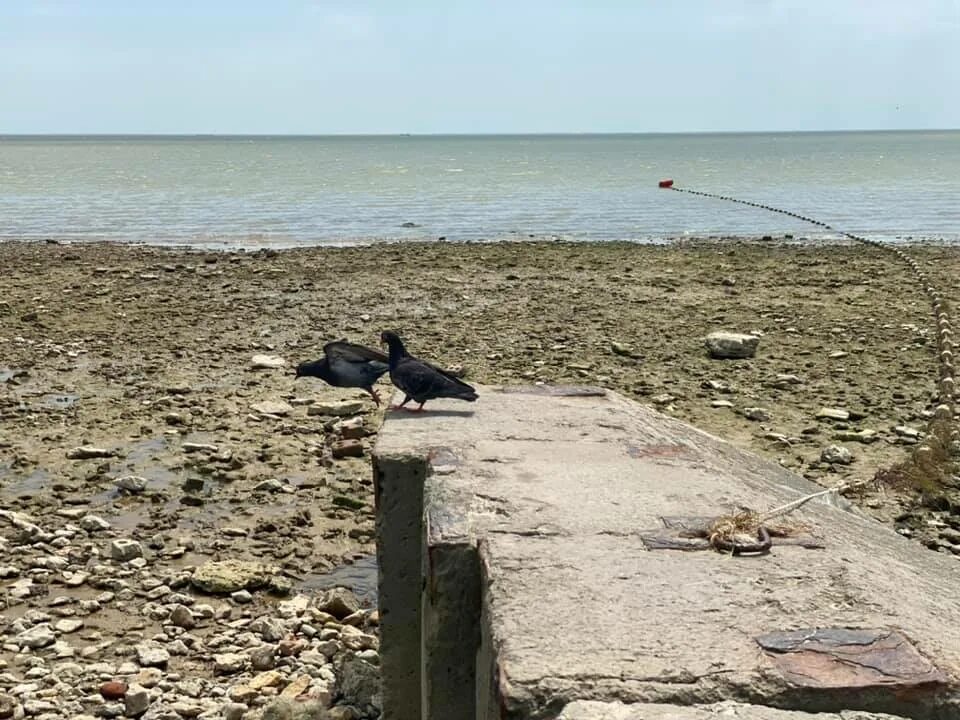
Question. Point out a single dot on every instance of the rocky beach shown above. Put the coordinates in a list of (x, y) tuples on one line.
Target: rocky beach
[(187, 531)]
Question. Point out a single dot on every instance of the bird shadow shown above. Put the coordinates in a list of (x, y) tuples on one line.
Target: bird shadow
[(407, 415)]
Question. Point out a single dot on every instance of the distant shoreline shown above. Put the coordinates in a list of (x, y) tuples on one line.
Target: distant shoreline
[(437, 136), (779, 240)]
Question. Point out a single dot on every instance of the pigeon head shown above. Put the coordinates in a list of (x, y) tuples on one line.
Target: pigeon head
[(310, 369), (393, 341)]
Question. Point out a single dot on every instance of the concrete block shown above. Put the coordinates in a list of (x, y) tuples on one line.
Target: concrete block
[(517, 531)]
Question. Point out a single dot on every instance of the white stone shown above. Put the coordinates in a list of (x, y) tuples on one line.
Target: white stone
[(729, 345), (266, 362), (37, 637), (136, 701), (836, 455), (150, 654), (93, 523), (123, 549)]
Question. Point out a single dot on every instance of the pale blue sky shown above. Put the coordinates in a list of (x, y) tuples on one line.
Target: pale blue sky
[(393, 66)]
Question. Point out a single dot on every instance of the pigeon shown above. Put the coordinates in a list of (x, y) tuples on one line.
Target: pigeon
[(420, 380), (347, 365)]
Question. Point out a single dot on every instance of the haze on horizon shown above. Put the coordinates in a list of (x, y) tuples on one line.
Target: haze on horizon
[(441, 66)]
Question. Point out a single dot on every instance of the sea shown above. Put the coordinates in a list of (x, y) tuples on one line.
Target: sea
[(287, 191)]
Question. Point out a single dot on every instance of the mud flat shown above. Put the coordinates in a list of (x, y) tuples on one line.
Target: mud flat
[(195, 453)]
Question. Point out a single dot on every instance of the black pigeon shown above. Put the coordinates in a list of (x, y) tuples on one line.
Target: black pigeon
[(347, 365), (420, 380)]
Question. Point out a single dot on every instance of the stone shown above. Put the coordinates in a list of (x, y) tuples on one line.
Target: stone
[(729, 345), (266, 679), (89, 452), (721, 404), (151, 654), (297, 687), (39, 636), (137, 701), (268, 628), (229, 663), (227, 576), (360, 683), (241, 597), (339, 602), (124, 550), (8, 706), (192, 447), (263, 657), (149, 677), (266, 362), (181, 616), (234, 711), (757, 414), (67, 625), (132, 484), (833, 414), (271, 485), (272, 407), (836, 455), (343, 408), (346, 448), (352, 429), (94, 523), (289, 709)]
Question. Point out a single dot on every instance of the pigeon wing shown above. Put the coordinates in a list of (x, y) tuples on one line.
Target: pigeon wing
[(423, 381), (340, 350)]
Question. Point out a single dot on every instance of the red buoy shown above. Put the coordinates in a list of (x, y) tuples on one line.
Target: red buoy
[(666, 183)]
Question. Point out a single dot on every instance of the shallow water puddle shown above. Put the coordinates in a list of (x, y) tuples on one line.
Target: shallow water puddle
[(360, 576)]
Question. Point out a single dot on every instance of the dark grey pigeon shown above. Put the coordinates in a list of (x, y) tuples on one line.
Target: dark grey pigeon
[(347, 365), (420, 380)]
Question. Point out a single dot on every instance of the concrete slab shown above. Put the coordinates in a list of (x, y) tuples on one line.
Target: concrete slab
[(539, 499), (727, 710)]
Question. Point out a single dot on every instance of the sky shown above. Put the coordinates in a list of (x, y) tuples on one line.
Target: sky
[(499, 66)]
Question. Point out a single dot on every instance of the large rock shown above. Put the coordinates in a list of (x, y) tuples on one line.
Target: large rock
[(360, 684), (37, 637), (287, 709), (228, 576), (339, 602), (729, 345)]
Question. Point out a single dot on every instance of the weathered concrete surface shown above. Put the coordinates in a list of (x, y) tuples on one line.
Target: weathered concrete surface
[(591, 710), (554, 491)]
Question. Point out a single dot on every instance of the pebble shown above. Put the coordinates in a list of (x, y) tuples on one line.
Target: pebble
[(731, 345), (343, 408), (94, 523), (132, 484), (272, 407), (39, 636), (151, 654), (137, 701), (67, 626), (757, 414), (88, 452), (123, 549), (836, 455), (338, 602), (266, 362), (833, 414), (347, 448)]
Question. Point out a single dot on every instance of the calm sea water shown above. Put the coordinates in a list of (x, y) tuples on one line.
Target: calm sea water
[(284, 191)]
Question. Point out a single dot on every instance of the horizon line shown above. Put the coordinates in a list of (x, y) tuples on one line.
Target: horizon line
[(459, 134)]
